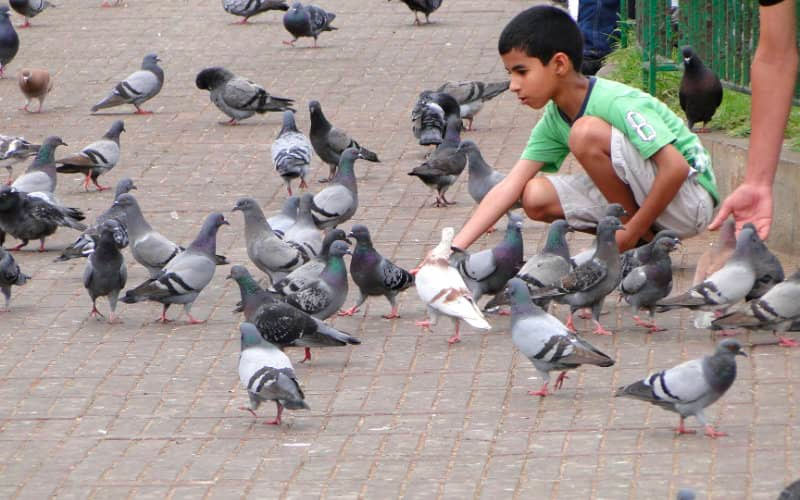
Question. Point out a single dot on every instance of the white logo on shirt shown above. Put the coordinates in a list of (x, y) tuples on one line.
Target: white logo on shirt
[(644, 130)]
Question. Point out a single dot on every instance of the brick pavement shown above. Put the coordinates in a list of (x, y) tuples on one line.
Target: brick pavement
[(142, 410)]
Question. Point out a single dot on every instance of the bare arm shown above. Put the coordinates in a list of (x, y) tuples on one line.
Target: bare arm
[(773, 74), (497, 202), (670, 175)]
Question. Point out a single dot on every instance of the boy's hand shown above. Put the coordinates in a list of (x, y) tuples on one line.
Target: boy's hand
[(747, 203)]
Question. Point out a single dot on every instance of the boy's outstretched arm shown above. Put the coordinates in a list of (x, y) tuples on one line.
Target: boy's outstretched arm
[(497, 202), (671, 173)]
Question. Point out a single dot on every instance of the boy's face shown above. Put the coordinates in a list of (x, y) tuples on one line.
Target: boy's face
[(533, 82)]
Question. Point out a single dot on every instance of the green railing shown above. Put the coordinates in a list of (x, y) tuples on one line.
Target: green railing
[(723, 33)]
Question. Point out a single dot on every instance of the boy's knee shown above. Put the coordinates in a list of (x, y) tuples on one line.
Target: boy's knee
[(589, 134), (540, 200)]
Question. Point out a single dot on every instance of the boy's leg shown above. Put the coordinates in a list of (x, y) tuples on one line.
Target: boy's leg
[(540, 200), (590, 142)]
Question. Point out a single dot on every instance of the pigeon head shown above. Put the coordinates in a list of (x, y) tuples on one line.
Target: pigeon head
[(238, 272), (116, 129), (691, 61), (296, 6), (514, 221), (609, 225), (4, 12), (616, 210), (150, 60), (216, 220), (123, 186), (687, 53), (360, 233), (335, 235), (339, 248), (250, 335), (305, 203), (468, 147), (516, 291), (747, 240), (730, 347), (9, 197), (206, 240), (246, 205), (112, 230), (46, 151), (685, 494), (125, 200), (290, 206), (443, 250), (349, 156), (288, 120), (313, 106), (666, 244), (211, 78)]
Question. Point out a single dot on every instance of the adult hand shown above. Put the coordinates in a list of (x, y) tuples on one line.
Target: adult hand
[(747, 203)]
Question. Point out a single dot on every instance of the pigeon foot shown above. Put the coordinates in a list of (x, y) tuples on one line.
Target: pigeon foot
[(18, 247), (600, 330), (194, 321), (392, 315), (244, 408), (713, 433), (787, 342), (307, 356), (426, 325), (349, 312), (560, 380), (541, 392)]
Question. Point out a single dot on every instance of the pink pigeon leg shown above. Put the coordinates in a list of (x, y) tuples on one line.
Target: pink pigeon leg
[(713, 433), (426, 325), (456, 337), (277, 420), (349, 312), (600, 330), (244, 408), (94, 313), (303, 184), (560, 380), (541, 392), (98, 186), (392, 315), (683, 430), (570, 324), (193, 321), (307, 356), (787, 342)]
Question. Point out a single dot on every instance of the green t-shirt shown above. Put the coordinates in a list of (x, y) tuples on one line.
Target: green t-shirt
[(647, 122)]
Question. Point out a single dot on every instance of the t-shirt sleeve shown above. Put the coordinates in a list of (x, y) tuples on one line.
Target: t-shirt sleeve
[(642, 125), (544, 145)]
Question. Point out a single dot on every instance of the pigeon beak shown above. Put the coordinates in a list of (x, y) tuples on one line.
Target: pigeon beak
[(225, 222), (687, 59), (620, 227), (570, 229), (350, 235), (234, 209), (741, 353), (133, 186)]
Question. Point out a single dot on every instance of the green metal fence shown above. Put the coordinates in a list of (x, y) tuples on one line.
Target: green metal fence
[(723, 33)]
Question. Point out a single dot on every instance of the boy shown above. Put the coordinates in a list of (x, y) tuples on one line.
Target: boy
[(633, 149)]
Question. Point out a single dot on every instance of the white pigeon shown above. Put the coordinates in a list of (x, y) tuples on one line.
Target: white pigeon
[(443, 290), (267, 374)]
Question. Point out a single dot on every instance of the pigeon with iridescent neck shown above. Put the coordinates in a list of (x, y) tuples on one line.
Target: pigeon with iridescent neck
[(40, 176), (324, 297), (650, 282), (374, 274)]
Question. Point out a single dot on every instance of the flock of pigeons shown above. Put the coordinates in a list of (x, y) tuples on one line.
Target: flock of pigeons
[(301, 249)]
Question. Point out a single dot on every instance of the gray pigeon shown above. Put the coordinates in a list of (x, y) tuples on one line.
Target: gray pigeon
[(612, 209), (307, 21), (471, 95), (650, 282), (267, 374), (9, 40), (282, 324), (482, 177), (425, 6), (311, 270), (286, 218), (95, 159), (29, 9), (269, 253), (639, 256), (730, 284), (105, 273), (769, 272), (690, 387), (149, 248), (339, 201), (14, 150), (589, 283), (545, 340), (10, 274), (791, 492), (40, 176), (85, 244), (291, 153), (775, 310), (238, 97), (304, 232), (430, 116), (445, 164), (249, 8), (186, 275), (487, 272), (139, 87), (329, 142), (30, 217), (324, 297), (374, 274), (545, 269)]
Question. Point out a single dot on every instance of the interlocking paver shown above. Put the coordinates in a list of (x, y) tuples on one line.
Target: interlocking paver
[(141, 410)]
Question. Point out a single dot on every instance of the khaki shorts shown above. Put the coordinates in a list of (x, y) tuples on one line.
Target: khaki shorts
[(584, 205)]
